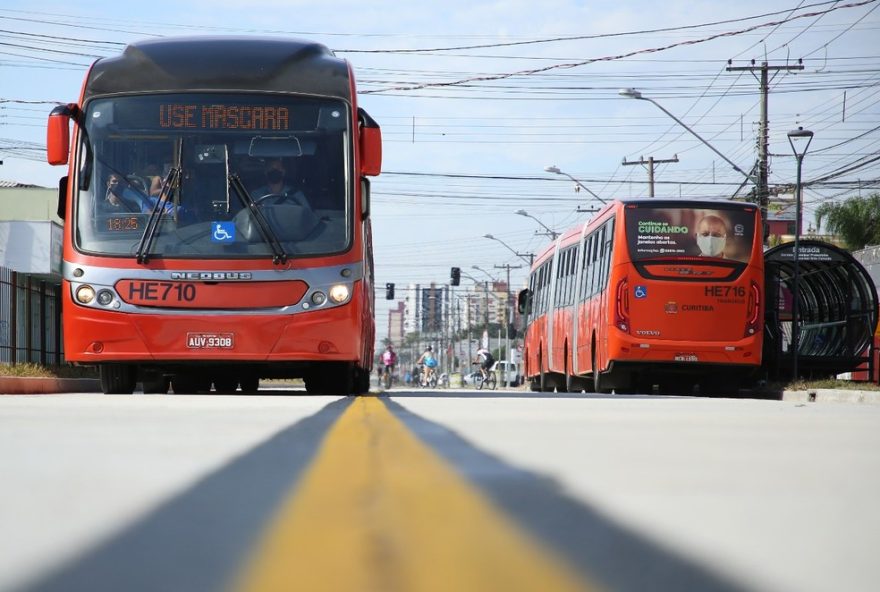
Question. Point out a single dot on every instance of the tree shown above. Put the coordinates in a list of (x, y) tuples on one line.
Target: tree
[(856, 220)]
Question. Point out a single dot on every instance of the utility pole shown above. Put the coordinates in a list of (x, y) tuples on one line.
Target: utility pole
[(762, 190), (507, 320), (650, 162)]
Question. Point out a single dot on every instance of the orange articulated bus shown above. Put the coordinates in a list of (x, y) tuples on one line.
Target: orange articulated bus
[(650, 291), (216, 216)]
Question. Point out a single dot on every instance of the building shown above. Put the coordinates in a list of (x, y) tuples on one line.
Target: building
[(395, 324), (30, 275)]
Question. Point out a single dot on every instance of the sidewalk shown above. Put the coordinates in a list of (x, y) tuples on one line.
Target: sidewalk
[(832, 396)]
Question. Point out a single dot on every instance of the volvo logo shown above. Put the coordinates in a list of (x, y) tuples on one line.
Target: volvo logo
[(211, 276)]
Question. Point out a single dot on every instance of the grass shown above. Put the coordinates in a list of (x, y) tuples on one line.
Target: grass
[(37, 371)]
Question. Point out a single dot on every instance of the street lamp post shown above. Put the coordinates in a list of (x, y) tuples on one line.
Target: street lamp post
[(634, 94), (555, 169), (549, 231), (799, 134), (529, 257)]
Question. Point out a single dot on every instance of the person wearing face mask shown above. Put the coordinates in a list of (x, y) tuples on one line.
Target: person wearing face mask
[(711, 236), (275, 180)]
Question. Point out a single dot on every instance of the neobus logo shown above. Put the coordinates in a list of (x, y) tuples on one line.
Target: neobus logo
[(211, 275)]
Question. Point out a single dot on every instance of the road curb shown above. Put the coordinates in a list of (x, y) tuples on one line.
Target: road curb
[(832, 396), (21, 385)]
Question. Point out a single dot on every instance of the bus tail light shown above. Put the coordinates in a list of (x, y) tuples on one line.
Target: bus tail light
[(621, 306), (753, 310)]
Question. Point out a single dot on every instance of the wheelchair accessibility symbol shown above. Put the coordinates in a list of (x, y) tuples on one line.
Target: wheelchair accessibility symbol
[(641, 292), (223, 232)]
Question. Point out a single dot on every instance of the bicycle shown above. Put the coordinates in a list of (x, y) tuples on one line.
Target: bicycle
[(386, 377), (428, 379), (490, 381)]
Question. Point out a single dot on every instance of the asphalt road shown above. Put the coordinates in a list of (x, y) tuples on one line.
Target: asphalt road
[(437, 490)]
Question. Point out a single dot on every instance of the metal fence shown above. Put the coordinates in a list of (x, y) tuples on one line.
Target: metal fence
[(30, 319)]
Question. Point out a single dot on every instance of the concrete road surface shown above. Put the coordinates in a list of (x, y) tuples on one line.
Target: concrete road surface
[(437, 490)]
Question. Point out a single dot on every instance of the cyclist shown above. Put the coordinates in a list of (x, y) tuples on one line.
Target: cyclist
[(485, 360), (389, 361), (428, 362)]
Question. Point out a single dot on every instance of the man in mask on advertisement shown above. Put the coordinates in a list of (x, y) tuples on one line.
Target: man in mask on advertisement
[(711, 236)]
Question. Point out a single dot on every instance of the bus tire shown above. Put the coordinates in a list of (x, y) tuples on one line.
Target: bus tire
[(362, 382), (336, 379), (117, 379)]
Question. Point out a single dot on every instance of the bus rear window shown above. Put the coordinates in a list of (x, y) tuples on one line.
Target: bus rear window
[(672, 232)]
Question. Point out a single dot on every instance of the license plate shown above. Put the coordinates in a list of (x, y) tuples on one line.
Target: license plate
[(210, 340), (686, 358)]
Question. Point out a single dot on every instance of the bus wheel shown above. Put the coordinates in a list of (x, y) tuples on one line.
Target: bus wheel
[(338, 381), (361, 383), (118, 379)]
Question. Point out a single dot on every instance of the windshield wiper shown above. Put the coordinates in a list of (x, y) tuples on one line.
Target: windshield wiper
[(278, 254), (156, 215)]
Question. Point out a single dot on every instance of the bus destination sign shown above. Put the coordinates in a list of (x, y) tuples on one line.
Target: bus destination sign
[(218, 116)]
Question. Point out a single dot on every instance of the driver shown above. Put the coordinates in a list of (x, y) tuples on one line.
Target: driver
[(275, 180)]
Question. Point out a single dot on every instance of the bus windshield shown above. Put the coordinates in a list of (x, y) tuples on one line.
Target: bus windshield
[(231, 175), (715, 232)]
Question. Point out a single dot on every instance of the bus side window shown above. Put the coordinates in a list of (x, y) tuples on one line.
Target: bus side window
[(585, 269), (597, 261), (608, 248)]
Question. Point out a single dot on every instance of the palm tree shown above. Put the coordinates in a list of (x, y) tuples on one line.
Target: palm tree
[(856, 220)]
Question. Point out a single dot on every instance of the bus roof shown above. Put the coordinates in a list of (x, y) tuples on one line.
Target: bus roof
[(221, 63)]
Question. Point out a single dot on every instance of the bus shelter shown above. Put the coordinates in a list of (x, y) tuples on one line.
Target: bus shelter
[(837, 310)]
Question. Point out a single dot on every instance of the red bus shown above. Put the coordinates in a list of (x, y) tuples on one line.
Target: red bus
[(650, 291), (216, 215)]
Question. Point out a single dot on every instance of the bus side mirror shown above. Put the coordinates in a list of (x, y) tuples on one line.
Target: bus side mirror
[(58, 134), (524, 301), (371, 144)]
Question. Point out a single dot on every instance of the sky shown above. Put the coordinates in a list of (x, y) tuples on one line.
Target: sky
[(475, 100)]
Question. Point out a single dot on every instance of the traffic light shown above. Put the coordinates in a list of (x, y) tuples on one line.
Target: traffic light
[(389, 291), (455, 274)]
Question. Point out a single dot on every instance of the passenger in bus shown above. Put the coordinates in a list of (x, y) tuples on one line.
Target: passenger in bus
[(154, 177), (121, 195), (711, 236)]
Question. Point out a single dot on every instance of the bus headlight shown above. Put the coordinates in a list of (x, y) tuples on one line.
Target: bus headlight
[(85, 294), (318, 298), (105, 297), (339, 293)]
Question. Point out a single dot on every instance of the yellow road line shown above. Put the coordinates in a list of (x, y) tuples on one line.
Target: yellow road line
[(380, 512)]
